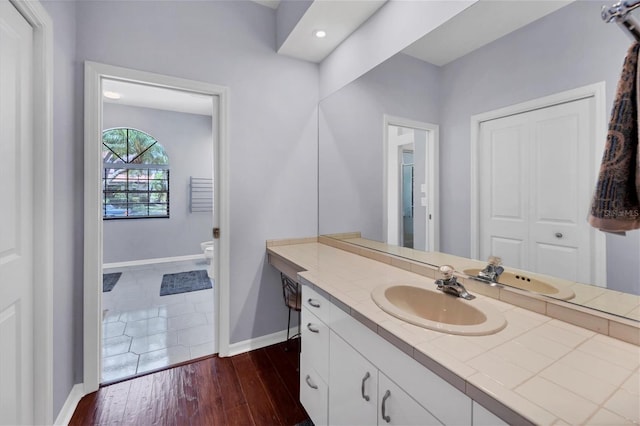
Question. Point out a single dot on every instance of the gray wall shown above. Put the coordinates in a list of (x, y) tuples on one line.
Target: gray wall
[(187, 141), (565, 50), (351, 148), (67, 208), (273, 129), (273, 123)]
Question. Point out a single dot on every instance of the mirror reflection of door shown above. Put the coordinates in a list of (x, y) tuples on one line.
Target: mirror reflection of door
[(406, 183), (410, 175), (536, 188)]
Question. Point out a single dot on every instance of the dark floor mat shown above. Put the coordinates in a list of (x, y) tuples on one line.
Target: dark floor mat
[(109, 281), (183, 282)]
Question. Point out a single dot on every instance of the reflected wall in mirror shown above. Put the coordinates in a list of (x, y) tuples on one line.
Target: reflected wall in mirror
[(568, 49)]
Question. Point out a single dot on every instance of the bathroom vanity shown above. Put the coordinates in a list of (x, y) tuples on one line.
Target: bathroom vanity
[(361, 365)]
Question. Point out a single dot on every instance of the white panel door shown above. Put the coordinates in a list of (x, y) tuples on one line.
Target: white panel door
[(504, 167), (561, 189), (535, 188), (16, 218)]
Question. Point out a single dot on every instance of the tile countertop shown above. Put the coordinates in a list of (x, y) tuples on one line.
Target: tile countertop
[(543, 369)]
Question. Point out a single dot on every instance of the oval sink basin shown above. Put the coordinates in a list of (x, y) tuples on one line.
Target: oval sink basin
[(524, 282), (438, 311)]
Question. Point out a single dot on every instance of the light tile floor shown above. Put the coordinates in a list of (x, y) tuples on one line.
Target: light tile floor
[(143, 331)]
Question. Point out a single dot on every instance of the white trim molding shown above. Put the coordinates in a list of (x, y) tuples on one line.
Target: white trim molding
[(432, 175), (95, 73), (595, 91), (70, 404), (257, 343), (143, 262), (39, 19)]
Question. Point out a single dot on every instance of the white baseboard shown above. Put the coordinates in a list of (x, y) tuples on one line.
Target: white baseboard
[(69, 407), (257, 343), (152, 261)]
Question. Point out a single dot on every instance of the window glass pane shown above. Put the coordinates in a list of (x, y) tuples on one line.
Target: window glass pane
[(154, 155), (117, 173), (115, 210), (115, 197), (138, 197), (138, 210), (158, 174), (158, 197), (159, 185), (139, 143), (158, 209), (116, 185), (114, 148), (138, 180)]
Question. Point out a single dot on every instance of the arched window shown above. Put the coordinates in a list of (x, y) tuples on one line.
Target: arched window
[(135, 182)]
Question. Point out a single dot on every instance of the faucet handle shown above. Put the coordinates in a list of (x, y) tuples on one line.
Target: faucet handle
[(446, 271), (495, 260)]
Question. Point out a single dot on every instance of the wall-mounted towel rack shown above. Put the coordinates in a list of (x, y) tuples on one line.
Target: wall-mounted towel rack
[(200, 194), (620, 13)]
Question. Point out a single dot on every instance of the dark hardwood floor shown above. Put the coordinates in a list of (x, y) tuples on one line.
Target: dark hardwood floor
[(260, 387)]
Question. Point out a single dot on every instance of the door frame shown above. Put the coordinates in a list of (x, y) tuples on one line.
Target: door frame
[(595, 91), (35, 14), (432, 173), (93, 236)]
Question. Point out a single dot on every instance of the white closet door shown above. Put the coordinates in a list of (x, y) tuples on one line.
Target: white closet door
[(16, 218), (536, 189)]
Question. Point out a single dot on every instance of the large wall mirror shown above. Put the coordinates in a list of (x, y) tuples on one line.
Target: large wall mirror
[(444, 157)]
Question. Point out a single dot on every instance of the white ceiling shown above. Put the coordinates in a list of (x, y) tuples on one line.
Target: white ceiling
[(338, 18), (478, 25), (135, 94)]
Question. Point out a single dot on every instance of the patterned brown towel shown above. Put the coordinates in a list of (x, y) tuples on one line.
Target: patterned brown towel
[(616, 202)]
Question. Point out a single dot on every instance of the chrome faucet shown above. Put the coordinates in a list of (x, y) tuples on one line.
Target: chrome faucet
[(492, 271), (449, 284)]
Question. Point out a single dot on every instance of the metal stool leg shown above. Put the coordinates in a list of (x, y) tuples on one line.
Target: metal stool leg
[(286, 348)]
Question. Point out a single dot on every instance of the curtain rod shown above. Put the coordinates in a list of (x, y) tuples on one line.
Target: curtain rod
[(620, 13)]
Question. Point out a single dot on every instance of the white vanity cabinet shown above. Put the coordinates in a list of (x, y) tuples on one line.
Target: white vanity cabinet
[(362, 395), (350, 375)]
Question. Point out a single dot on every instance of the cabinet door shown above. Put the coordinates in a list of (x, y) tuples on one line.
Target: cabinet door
[(313, 394), (353, 387), (484, 417), (396, 407)]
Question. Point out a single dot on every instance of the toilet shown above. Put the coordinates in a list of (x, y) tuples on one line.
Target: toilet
[(207, 248)]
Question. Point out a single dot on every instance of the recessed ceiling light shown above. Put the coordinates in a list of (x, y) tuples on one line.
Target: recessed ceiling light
[(320, 33), (111, 95)]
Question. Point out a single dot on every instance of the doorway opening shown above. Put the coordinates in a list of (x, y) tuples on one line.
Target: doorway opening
[(158, 278), (411, 187), (156, 281)]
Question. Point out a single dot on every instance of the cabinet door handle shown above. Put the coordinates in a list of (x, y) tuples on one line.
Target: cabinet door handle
[(364, 379), (386, 396), (314, 303), (312, 329), (310, 383)]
